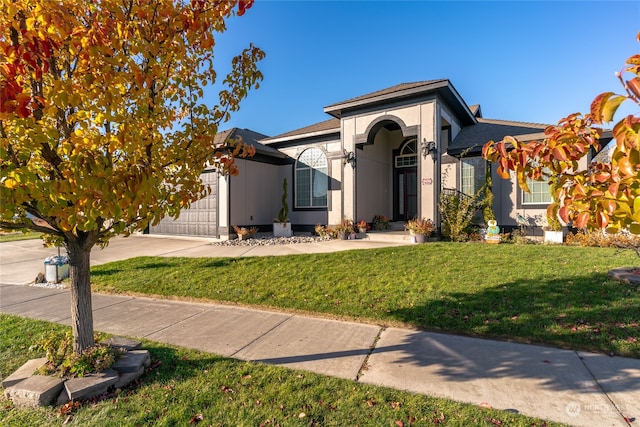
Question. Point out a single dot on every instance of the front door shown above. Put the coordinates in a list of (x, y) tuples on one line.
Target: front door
[(405, 194)]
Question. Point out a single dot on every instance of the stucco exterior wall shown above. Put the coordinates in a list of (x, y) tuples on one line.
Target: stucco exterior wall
[(374, 182), (309, 218), (255, 193), (428, 181), (375, 177), (449, 174)]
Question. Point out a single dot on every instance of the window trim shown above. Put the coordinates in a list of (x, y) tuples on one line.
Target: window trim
[(523, 194), (482, 181), (310, 207), (402, 154)]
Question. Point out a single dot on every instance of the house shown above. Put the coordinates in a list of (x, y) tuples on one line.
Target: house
[(390, 152)]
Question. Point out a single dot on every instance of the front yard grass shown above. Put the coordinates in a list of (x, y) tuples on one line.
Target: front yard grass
[(12, 236), (554, 295), (185, 387)]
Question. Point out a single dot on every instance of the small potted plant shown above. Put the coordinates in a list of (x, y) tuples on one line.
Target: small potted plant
[(380, 222), (420, 229), (344, 229), (244, 232), (553, 230), (363, 227), (281, 224)]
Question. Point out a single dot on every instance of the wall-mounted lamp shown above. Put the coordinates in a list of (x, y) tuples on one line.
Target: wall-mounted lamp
[(429, 148), (349, 157)]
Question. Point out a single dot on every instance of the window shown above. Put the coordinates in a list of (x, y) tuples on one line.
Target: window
[(311, 179), (539, 193), (472, 174), (408, 156)]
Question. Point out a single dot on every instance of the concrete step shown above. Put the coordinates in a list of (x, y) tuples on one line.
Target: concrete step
[(388, 236)]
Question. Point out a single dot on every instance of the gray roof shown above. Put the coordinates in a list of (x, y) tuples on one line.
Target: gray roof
[(322, 128), (403, 91), (249, 137), (471, 138), (406, 91)]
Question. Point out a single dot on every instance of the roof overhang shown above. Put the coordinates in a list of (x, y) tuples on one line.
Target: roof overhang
[(441, 88)]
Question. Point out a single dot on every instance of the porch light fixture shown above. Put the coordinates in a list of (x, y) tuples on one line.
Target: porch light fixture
[(349, 157), (429, 148)]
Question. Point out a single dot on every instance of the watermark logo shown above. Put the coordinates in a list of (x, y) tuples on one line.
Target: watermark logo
[(572, 409)]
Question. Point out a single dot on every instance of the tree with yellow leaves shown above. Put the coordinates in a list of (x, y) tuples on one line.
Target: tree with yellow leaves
[(605, 194), (103, 127)]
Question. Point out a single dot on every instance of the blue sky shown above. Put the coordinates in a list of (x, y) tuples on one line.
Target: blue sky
[(523, 61)]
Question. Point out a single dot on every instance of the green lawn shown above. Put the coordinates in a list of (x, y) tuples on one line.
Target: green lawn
[(185, 387), (556, 295), (18, 235)]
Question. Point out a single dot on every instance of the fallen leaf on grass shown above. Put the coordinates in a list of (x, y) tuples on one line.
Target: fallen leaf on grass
[(439, 419), (494, 421), (69, 407), (399, 423), (196, 419)]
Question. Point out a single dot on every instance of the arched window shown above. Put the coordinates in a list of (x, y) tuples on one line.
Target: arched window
[(408, 156), (311, 179)]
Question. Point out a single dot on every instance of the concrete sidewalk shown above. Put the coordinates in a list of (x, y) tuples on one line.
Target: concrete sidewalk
[(576, 388)]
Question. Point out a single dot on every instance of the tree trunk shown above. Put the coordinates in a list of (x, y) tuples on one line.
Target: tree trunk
[(81, 310)]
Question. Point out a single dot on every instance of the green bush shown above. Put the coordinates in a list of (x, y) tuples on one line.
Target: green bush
[(64, 362), (457, 212)]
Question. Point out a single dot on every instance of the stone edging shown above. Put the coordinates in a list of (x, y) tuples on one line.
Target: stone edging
[(26, 389), (629, 275)]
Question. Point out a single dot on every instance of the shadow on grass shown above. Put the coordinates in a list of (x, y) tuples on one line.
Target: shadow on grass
[(591, 313), (171, 363)]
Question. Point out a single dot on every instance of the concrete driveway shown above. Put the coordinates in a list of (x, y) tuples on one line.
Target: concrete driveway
[(21, 261)]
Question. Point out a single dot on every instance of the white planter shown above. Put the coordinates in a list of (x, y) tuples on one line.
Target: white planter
[(553, 236), (282, 229)]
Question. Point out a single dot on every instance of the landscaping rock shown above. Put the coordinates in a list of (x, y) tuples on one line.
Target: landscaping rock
[(26, 389), (629, 275), (37, 390), (91, 385), (63, 397), (123, 343), (24, 372), (129, 377), (132, 361), (269, 239)]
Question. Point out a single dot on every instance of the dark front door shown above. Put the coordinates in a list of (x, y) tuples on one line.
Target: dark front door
[(405, 194)]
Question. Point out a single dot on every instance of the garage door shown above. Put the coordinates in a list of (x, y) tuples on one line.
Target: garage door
[(201, 219)]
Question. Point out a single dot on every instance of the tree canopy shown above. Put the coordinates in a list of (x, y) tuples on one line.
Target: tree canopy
[(605, 194), (104, 127)]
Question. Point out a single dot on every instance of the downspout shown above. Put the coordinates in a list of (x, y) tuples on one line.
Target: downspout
[(228, 179), (437, 166)]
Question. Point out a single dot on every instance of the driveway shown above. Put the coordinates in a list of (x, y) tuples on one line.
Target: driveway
[(21, 261)]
